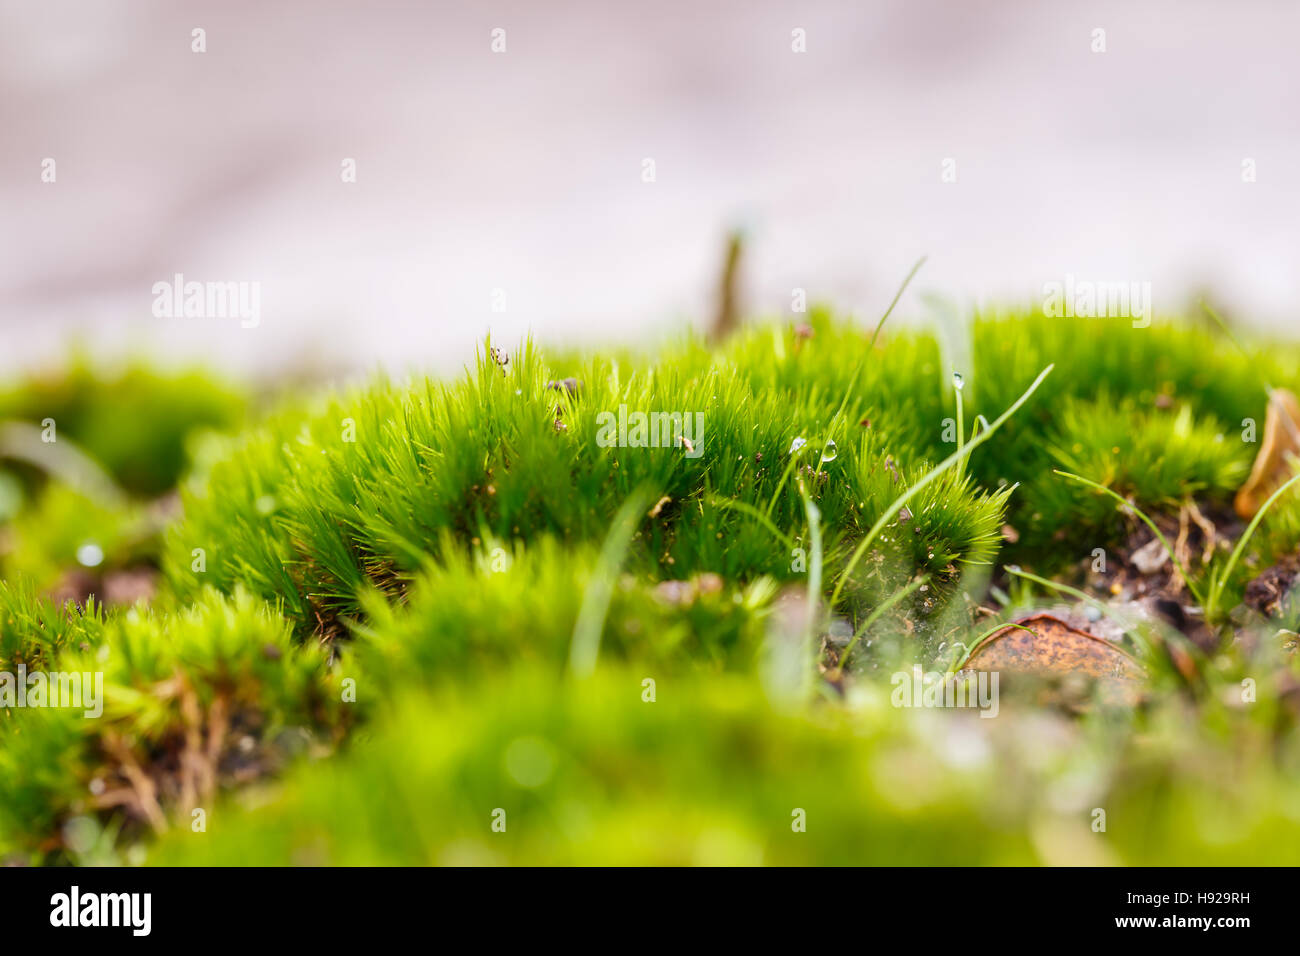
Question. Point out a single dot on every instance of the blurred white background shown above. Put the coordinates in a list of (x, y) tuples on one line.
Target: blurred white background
[(522, 170)]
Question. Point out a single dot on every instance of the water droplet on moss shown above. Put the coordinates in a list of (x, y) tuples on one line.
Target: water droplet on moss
[(90, 555)]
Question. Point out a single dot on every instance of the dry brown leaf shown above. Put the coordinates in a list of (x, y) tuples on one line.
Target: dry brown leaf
[(1050, 646), (1272, 465)]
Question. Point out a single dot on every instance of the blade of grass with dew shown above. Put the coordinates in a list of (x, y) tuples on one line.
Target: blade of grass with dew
[(898, 295), (853, 380), (929, 477)]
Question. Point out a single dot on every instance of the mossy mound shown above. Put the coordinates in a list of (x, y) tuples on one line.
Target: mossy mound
[(385, 615)]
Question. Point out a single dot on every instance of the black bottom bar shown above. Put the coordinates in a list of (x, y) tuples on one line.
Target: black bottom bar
[(330, 906)]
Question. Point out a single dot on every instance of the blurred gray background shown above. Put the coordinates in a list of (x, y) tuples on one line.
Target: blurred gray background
[(522, 171)]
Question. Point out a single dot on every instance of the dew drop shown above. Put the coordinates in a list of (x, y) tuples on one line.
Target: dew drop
[(957, 381), (90, 555), (829, 451), (797, 444)]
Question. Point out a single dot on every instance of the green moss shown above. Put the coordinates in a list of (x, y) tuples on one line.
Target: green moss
[(35, 630), (592, 773), (64, 531), (187, 699), (440, 547), (474, 615), (133, 421), (310, 518)]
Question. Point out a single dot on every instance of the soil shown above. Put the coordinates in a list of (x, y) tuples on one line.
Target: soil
[(1272, 593)]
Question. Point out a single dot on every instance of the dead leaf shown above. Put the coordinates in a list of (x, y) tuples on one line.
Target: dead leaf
[(1051, 647), (1272, 465)]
